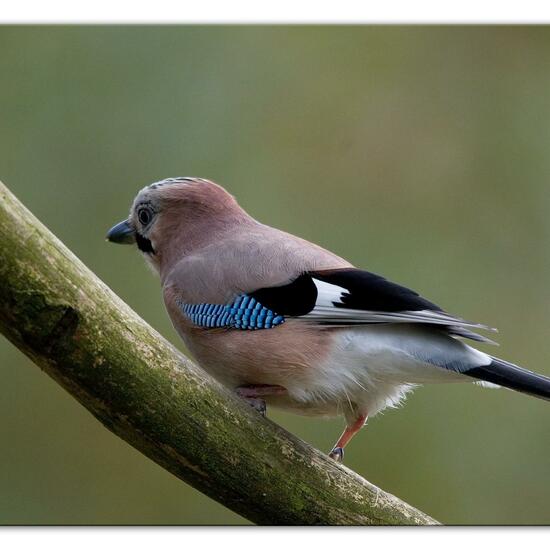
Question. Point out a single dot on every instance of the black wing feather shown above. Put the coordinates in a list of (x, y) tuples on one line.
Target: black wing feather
[(372, 292), (365, 290), (372, 297), (294, 299)]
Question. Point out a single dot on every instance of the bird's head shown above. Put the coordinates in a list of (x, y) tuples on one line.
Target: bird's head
[(175, 216)]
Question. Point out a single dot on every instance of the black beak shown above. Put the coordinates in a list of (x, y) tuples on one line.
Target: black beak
[(122, 233)]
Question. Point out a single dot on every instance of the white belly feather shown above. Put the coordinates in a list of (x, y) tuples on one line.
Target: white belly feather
[(372, 367)]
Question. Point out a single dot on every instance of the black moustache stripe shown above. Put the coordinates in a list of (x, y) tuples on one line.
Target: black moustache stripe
[(144, 244)]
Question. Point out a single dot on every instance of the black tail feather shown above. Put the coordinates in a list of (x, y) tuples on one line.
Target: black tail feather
[(513, 377)]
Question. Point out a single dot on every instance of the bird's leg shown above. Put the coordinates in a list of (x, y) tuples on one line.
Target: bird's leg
[(337, 452), (253, 394)]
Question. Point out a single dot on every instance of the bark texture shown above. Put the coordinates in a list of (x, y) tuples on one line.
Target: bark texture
[(140, 387)]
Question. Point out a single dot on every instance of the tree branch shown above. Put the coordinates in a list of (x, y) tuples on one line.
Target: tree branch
[(141, 388)]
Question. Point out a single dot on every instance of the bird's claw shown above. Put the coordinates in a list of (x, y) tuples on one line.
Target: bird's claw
[(258, 404), (253, 395), (337, 454)]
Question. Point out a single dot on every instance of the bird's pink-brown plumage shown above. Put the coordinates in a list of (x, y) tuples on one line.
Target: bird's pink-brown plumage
[(357, 348), (218, 251)]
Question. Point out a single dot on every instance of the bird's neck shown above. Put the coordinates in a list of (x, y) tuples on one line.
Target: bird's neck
[(193, 235)]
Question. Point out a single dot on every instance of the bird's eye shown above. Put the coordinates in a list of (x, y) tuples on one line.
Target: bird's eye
[(145, 215)]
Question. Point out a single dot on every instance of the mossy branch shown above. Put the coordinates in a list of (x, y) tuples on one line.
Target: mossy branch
[(141, 388)]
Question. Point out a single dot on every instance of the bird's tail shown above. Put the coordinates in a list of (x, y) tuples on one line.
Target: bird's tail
[(513, 377)]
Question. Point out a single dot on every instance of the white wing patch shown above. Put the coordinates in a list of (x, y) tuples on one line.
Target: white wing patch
[(327, 312), (327, 294)]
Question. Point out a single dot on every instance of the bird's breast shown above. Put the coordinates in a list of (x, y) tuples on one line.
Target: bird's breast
[(285, 355)]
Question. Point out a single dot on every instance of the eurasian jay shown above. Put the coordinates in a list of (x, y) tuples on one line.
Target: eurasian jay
[(283, 321)]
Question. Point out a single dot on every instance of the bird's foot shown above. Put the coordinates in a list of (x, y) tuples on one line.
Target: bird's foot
[(253, 394), (337, 454), (257, 404)]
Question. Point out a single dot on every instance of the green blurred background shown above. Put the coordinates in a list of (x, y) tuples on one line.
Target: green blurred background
[(421, 153)]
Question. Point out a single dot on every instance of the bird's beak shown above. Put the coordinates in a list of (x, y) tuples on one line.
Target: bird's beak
[(122, 233)]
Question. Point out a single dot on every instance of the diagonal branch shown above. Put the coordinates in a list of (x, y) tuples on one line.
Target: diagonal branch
[(141, 388)]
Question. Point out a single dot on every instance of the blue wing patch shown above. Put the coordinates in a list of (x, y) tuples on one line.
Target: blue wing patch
[(244, 313)]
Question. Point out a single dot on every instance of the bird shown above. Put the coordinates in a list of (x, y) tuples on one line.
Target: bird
[(284, 322)]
